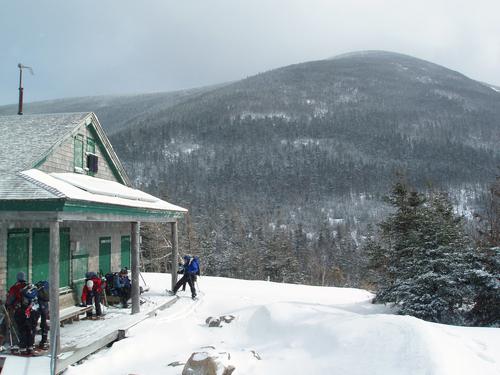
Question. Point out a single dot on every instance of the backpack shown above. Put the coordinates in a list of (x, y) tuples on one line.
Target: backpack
[(194, 265), (110, 282), (29, 294), (43, 290)]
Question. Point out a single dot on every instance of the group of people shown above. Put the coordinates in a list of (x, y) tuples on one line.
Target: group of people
[(27, 304), (112, 284)]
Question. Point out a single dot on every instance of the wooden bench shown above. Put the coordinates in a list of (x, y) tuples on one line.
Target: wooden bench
[(72, 313), (68, 312)]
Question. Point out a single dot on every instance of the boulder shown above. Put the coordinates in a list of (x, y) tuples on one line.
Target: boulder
[(202, 363), (213, 322)]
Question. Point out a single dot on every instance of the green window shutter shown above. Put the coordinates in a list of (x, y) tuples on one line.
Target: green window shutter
[(78, 155), (17, 254), (40, 255), (104, 255)]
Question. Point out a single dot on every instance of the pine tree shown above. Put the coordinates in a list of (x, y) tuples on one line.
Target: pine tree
[(425, 258), (486, 310)]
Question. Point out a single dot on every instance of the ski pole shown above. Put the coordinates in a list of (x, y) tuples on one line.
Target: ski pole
[(10, 332), (142, 277), (9, 321)]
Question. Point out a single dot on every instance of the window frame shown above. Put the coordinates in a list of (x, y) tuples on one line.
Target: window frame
[(78, 160)]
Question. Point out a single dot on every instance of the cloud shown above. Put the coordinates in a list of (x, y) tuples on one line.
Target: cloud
[(120, 46)]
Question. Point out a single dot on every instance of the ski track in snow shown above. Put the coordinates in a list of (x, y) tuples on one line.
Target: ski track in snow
[(295, 329)]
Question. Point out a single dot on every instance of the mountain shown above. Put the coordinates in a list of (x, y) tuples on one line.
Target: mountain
[(298, 158), (284, 172), (113, 111)]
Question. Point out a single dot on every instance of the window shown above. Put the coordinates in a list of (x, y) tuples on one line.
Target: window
[(92, 159), (78, 153), (90, 145)]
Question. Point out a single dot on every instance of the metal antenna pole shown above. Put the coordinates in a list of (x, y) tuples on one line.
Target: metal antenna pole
[(21, 89), (20, 108)]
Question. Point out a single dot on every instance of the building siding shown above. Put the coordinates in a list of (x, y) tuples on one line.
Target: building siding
[(62, 158), (86, 234)]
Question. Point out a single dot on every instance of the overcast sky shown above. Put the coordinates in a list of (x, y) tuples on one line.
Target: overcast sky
[(92, 47)]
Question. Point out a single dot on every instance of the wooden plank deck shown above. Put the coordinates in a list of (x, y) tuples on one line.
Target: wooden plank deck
[(86, 337)]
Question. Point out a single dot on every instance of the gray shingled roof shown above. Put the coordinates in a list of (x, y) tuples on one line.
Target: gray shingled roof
[(17, 187), (25, 140)]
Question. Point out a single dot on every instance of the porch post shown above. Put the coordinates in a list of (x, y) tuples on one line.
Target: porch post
[(54, 295), (175, 253), (135, 238)]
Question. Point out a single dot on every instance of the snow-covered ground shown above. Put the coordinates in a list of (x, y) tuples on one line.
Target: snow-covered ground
[(295, 329)]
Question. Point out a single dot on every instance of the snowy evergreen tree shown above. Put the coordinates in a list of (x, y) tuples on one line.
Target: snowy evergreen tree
[(425, 258), (486, 279)]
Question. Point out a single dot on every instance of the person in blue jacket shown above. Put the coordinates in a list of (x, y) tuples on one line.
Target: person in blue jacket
[(191, 270), (123, 286)]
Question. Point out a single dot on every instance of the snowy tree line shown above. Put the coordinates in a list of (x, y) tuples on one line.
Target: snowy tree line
[(423, 257), (423, 261)]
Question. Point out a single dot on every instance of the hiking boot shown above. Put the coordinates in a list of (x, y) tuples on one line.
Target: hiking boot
[(43, 345)]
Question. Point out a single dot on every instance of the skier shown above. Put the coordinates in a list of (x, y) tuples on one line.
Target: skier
[(43, 302), (191, 269), (91, 292), (22, 298), (122, 286)]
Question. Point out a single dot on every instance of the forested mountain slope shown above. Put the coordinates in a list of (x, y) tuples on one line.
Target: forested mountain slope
[(292, 163), (114, 112), (363, 115), (296, 159)]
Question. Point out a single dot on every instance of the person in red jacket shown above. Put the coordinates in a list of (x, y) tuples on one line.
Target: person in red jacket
[(91, 293), (21, 299)]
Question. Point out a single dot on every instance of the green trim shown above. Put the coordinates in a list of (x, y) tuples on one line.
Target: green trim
[(18, 231), (60, 205), (104, 151), (32, 205), (41, 161), (99, 208)]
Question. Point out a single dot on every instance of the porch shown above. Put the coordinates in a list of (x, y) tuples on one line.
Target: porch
[(85, 337), (93, 226)]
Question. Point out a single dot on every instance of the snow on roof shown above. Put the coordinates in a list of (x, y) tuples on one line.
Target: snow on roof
[(79, 187)]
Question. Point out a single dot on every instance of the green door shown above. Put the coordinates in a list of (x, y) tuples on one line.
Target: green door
[(17, 254), (40, 255), (105, 255), (64, 258), (125, 253)]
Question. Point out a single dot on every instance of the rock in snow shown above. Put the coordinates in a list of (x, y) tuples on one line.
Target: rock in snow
[(203, 363)]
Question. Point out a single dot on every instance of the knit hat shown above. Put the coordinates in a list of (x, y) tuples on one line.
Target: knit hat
[(21, 276)]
